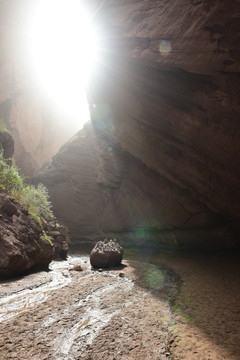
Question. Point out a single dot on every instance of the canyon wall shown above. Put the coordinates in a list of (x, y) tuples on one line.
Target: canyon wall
[(38, 132), (160, 161)]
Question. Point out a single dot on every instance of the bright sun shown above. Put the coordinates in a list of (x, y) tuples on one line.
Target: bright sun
[(62, 49)]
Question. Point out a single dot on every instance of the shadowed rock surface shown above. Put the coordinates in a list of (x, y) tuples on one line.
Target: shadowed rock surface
[(161, 160)]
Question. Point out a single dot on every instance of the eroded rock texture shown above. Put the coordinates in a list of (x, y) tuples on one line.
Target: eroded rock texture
[(21, 244), (24, 244), (160, 162)]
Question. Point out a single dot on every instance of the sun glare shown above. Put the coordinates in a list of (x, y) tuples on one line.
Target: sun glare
[(61, 47)]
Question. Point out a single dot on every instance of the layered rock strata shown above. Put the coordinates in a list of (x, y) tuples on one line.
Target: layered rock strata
[(160, 162)]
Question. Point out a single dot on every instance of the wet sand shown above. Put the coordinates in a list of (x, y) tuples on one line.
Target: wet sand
[(206, 311), (187, 307)]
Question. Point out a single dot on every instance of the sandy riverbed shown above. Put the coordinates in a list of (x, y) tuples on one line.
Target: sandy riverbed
[(87, 315), (191, 312)]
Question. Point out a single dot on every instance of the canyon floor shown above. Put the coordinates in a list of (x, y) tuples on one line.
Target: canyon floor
[(166, 306)]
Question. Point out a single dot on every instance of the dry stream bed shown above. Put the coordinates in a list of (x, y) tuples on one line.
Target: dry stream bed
[(139, 311)]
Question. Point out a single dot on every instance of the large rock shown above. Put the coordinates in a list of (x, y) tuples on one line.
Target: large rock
[(21, 245), (107, 253)]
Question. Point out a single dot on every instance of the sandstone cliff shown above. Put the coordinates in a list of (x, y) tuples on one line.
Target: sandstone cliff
[(161, 159)]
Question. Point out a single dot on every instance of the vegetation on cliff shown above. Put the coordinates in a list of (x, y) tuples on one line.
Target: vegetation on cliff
[(34, 199), (29, 234)]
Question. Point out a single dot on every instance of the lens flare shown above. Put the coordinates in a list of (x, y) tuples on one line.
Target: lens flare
[(154, 277), (165, 47), (61, 48)]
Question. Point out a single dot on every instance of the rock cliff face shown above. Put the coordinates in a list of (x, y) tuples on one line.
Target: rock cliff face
[(24, 245), (21, 246), (160, 161)]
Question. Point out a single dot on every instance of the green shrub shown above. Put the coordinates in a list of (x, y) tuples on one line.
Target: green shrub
[(10, 179), (34, 199)]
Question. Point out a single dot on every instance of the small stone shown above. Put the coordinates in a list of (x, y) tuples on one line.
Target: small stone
[(76, 268), (100, 270), (121, 274)]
